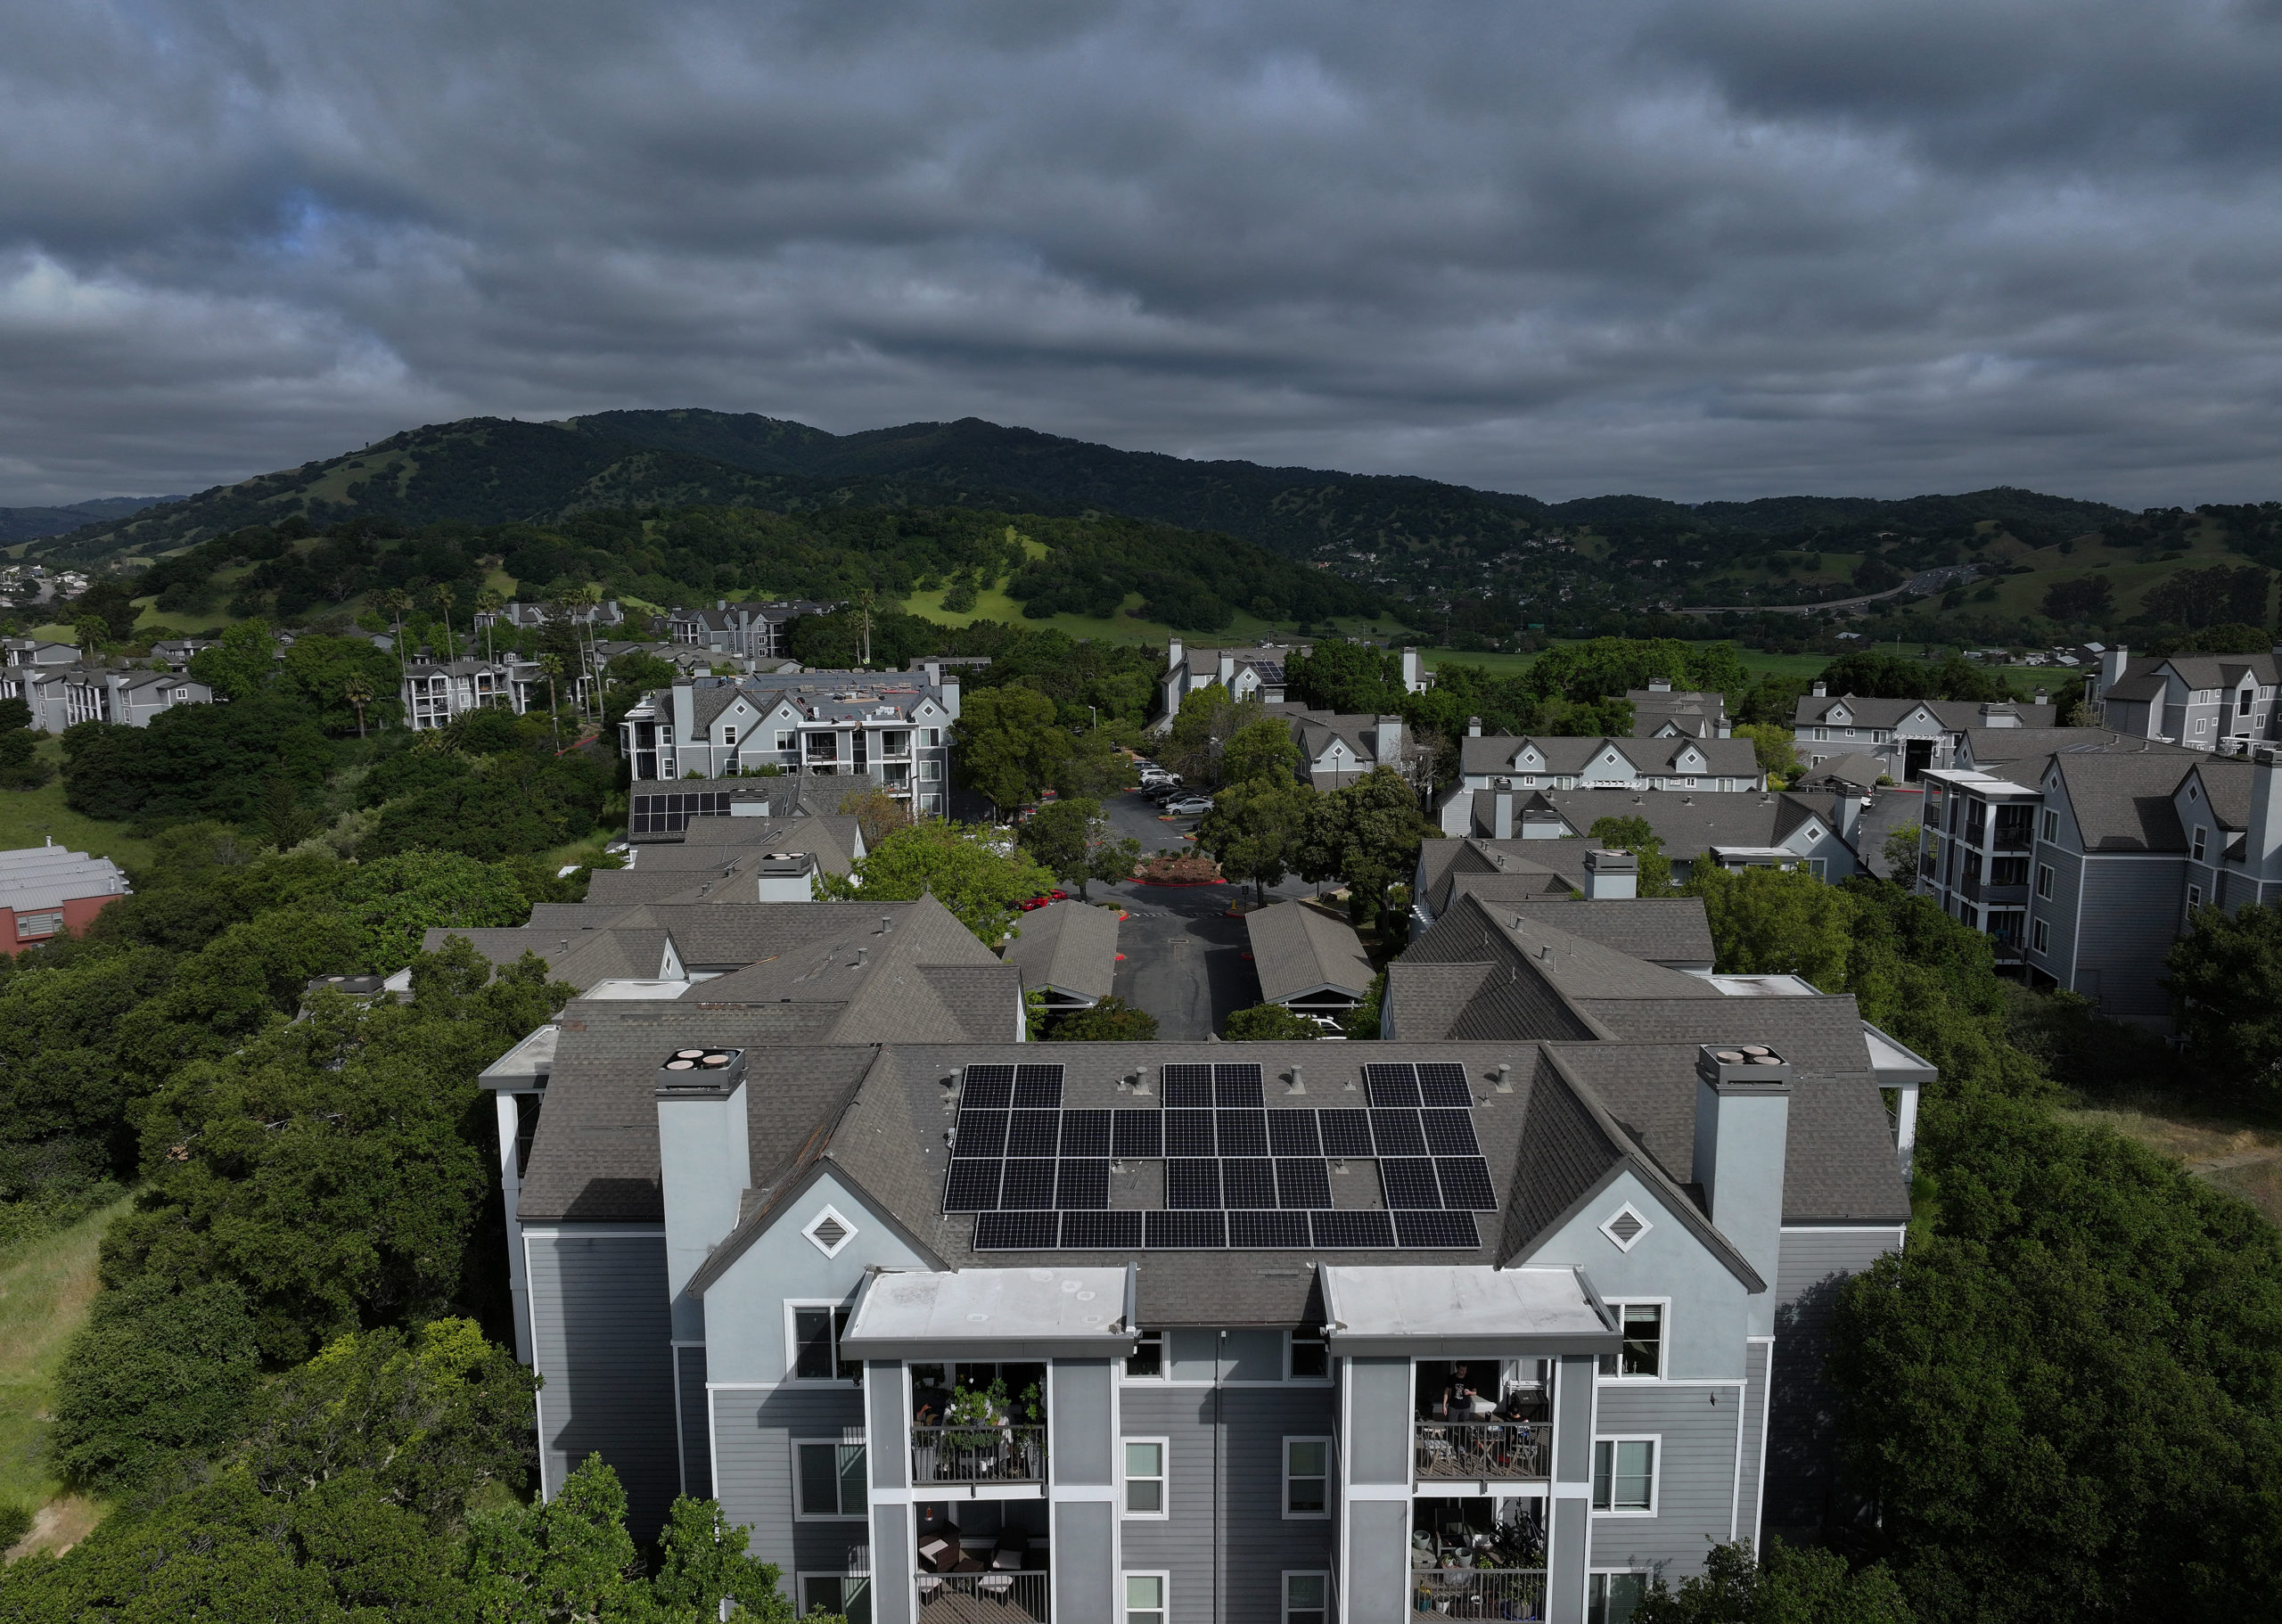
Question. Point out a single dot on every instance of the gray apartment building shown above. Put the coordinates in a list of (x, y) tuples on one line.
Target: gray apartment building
[(893, 728), (1906, 736), (62, 696), (754, 631), (1485, 1326), (1673, 760), (1660, 711), (2221, 703), (1791, 829)]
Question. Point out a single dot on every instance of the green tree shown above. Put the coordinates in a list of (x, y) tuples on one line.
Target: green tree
[(1096, 768), (1771, 744), (981, 883), (702, 1562), (2225, 975), (1008, 745), (568, 1558), (1776, 922), (1257, 829), (1354, 678), (1110, 1020), (318, 671), (241, 663), (1361, 1023), (1367, 834), (1208, 718), (394, 901), (1633, 834), (1059, 837), (1262, 749), (1798, 1586), (154, 1374), (1900, 851), (1268, 1023)]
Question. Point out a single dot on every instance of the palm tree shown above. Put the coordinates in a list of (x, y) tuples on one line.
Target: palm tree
[(358, 691), (488, 602), (589, 598), (91, 630), (552, 664), (442, 597), (396, 600)]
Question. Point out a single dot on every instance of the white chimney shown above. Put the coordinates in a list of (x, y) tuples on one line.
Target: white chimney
[(1172, 654), (1414, 672), (1611, 876), (2262, 839), (950, 690), (2112, 664), (1660, 684), (1474, 727), (1822, 690), (1386, 742), (1501, 815), (1225, 674), (1743, 1129), (705, 1162)]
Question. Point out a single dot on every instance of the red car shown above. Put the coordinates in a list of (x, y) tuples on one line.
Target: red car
[(1057, 895)]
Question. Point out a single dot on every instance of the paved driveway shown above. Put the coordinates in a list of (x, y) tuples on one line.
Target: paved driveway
[(1891, 806)]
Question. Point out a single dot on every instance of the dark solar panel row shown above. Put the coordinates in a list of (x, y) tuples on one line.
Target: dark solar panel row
[(1218, 1231), (1231, 1085), (1035, 1088), (1437, 1084), (1417, 1183), (1037, 1133), (1026, 1184)]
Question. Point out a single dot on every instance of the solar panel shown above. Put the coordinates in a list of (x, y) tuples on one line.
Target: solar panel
[(1248, 1181), (1292, 1133), (1409, 1181), (988, 1087), (972, 1186), (1301, 1181), (1351, 1231), (1449, 1133), (1397, 1133), (1015, 1231), (981, 1133), (1465, 1183), (1191, 1184), (1107, 1231), (1236, 1086), (1189, 1133), (1443, 1084), (1268, 1231), (1389, 1084), (1454, 1229), (1038, 1087), (1138, 1134), (1027, 1184), (1086, 1132), (1345, 1133), (1034, 1133), (1185, 1230), (1081, 1186), (1243, 1133), (1189, 1085)]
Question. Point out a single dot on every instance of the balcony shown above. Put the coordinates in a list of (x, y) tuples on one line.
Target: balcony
[(988, 1559), (992, 1598), (1480, 1451), (1478, 1593), (978, 1454)]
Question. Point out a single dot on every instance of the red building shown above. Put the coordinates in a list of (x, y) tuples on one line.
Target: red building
[(46, 891)]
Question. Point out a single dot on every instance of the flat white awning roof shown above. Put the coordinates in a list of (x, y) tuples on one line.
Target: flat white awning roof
[(998, 1313), (1463, 1309), (1892, 1063)]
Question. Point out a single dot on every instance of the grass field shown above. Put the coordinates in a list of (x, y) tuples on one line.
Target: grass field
[(2240, 1156), (1756, 663), (45, 1287), (29, 817)]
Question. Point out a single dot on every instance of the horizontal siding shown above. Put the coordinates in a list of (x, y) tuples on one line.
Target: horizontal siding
[(602, 1338), (1815, 1267), (753, 1431), (696, 1448), (1226, 1496), (1695, 1475), (2133, 909)]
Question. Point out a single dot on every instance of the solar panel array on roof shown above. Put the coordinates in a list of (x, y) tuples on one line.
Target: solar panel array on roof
[(1236, 1173)]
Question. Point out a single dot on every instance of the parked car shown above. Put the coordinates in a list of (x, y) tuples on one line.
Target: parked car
[(1189, 806), (1151, 776), (1057, 895)]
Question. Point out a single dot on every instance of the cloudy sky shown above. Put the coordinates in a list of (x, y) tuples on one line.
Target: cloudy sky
[(1693, 248)]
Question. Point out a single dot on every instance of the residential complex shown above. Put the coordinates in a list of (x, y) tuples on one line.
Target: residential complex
[(46, 891), (756, 631), (2222, 703), (1250, 674), (1816, 832), (1906, 736)]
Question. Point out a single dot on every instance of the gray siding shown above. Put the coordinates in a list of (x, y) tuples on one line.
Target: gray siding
[(1755, 1400), (1225, 1540), (1695, 1474), (753, 1429), (2131, 912), (2058, 912), (602, 1338), (1800, 1430), (1085, 1537), (696, 1448), (1379, 1432), (1082, 1446)]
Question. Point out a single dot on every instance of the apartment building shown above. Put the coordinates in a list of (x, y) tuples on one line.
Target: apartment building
[(47, 892), (1906, 736), (1247, 674), (2218, 702), (2082, 866), (1488, 1327), (893, 728), (62, 696), (1665, 761), (1660, 711), (1790, 829), (755, 631), (435, 692), (520, 614)]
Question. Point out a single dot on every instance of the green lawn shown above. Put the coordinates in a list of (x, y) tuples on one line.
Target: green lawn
[(1124, 626), (29, 817), (45, 1287)]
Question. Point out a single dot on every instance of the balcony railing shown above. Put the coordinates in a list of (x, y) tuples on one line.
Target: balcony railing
[(1482, 1449), (1478, 1593), (999, 1598), (980, 1453)]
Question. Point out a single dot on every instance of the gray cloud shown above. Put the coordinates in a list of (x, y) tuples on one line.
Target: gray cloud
[(1708, 247)]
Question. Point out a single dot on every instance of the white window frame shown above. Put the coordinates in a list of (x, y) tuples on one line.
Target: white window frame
[(801, 1585), (1604, 1575), (1162, 1479), (1655, 1442), (1162, 1613), (2194, 897), (836, 1305), (2051, 824), (1284, 1592), (1330, 1471), (1292, 1339), (2039, 935), (1164, 1357), (1663, 1305), (2202, 841), (801, 1511), (2044, 878)]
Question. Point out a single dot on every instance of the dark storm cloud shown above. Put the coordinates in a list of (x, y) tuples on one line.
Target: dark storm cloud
[(1710, 248)]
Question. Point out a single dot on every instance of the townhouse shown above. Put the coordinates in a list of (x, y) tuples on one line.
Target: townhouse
[(1489, 1326), (1780, 829), (1251, 673), (1672, 760), (1906, 736), (1660, 711), (753, 631), (2202, 701), (893, 729), (62, 696), (522, 615), (436, 692), (1307, 961)]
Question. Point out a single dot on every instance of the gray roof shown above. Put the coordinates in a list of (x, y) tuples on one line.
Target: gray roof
[(2122, 803), (1688, 822), (1069, 947), (1533, 867), (1992, 746), (1955, 716), (49, 876), (1297, 948), (1494, 753), (1666, 930), (583, 959), (1860, 770), (2226, 787)]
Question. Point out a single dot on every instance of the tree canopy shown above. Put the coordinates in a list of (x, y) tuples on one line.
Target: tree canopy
[(981, 881)]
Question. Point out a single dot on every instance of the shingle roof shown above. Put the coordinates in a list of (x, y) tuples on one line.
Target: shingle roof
[(1070, 946), (1955, 716), (2123, 803), (1298, 949), (1491, 753), (1687, 822), (2227, 788), (1666, 930), (1990, 747)]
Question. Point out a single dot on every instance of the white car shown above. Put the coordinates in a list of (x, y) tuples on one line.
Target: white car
[(1189, 806)]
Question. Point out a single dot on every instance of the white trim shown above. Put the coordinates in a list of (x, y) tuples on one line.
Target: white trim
[(1607, 1227), (1840, 1229), (1663, 1305), (1162, 1478), (800, 1513), (800, 1577), (1100, 1494), (1163, 1611), (598, 1232), (681, 1451), (1327, 1478), (1380, 1491), (1284, 1592), (1655, 1442), (791, 1342), (1766, 1403), (831, 1214)]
